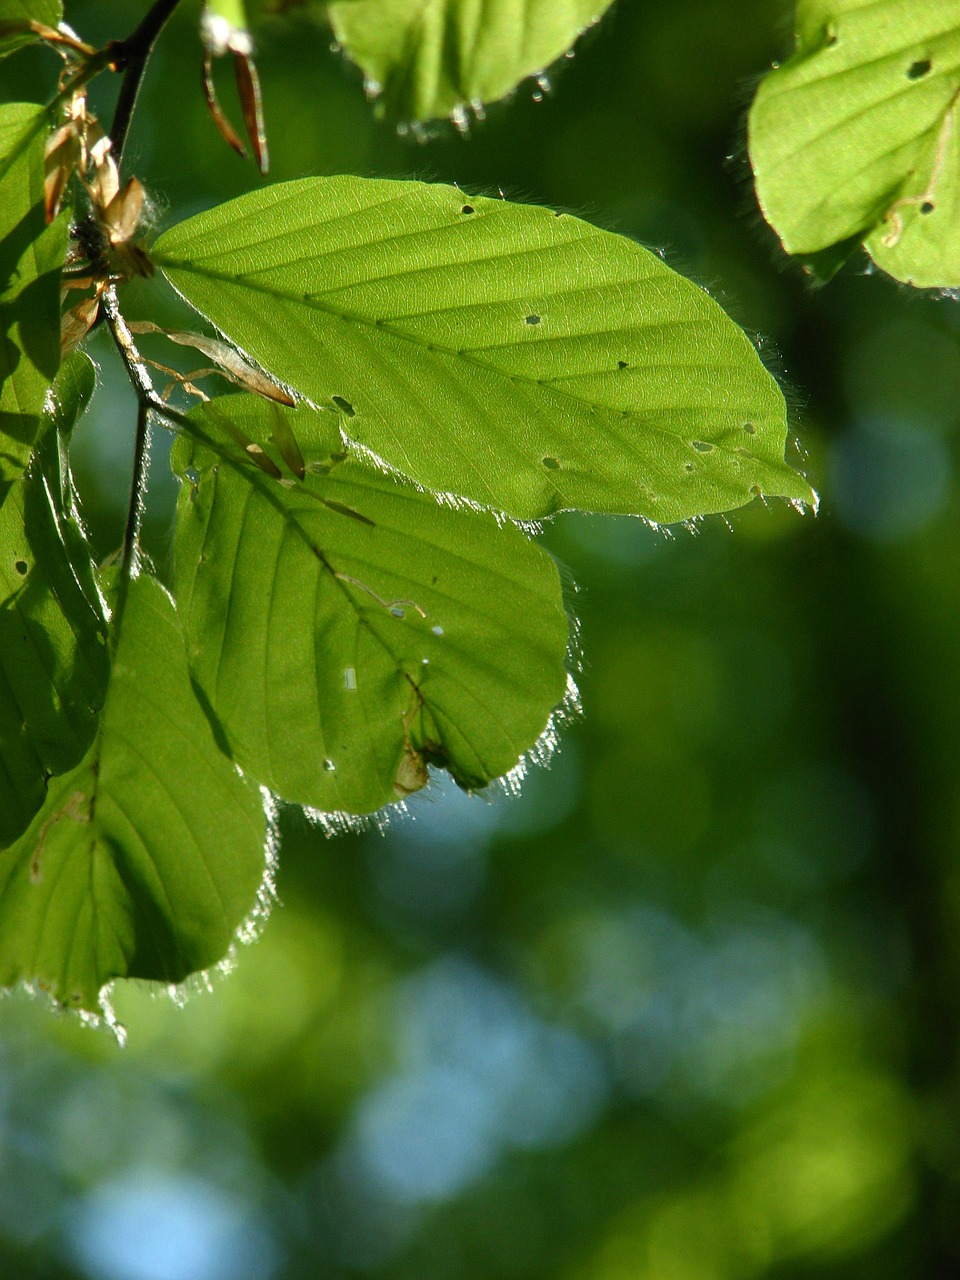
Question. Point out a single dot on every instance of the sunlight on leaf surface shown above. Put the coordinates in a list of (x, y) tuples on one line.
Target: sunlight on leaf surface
[(348, 630), (856, 136), (148, 856), (523, 359)]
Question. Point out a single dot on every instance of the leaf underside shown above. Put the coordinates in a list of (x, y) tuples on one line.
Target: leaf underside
[(522, 359), (148, 855), (856, 136), (347, 630), (432, 58)]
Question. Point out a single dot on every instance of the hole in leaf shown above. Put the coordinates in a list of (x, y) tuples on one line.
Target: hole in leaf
[(350, 678), (927, 207), (397, 611), (468, 208), (621, 364), (344, 406), (329, 766), (917, 70), (437, 631), (532, 319), (702, 446), (551, 464), (21, 567)]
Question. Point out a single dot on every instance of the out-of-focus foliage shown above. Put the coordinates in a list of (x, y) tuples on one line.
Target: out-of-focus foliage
[(688, 1006), (449, 57), (17, 12)]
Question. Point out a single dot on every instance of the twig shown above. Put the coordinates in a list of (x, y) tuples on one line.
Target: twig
[(133, 361), (138, 488), (147, 400), (131, 57)]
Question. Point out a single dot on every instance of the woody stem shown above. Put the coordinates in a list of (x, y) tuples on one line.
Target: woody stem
[(131, 57)]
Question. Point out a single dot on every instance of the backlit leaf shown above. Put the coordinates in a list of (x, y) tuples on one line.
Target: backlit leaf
[(146, 858), (856, 136), (520, 358), (349, 630), (432, 58)]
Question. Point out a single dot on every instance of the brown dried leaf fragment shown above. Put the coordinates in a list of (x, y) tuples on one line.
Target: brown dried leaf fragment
[(230, 363)]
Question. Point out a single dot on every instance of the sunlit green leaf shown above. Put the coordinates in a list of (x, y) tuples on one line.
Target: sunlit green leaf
[(49, 12), (520, 358), (856, 136), (53, 657), (31, 256), (349, 630), (146, 858), (436, 58)]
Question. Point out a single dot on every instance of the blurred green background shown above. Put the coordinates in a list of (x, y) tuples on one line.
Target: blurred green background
[(687, 1007)]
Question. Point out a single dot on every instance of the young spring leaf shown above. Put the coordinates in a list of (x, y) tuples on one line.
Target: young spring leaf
[(15, 14), (53, 654), (347, 631), (439, 58), (523, 359), (31, 257), (145, 858), (856, 136)]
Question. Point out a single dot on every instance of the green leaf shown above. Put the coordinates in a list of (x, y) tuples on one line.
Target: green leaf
[(348, 630), (49, 12), (145, 858), (31, 258), (53, 655), (856, 136), (522, 359), (433, 58)]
